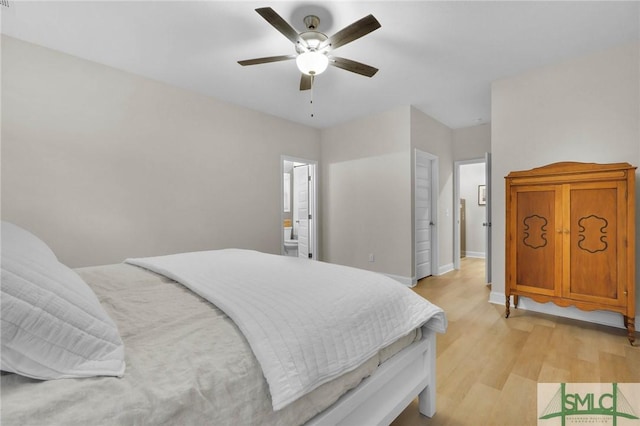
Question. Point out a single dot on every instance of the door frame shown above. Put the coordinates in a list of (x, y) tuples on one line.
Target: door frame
[(313, 199), (435, 269)]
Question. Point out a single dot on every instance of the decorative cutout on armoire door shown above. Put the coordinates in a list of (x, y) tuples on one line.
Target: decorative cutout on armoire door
[(535, 231), (592, 233)]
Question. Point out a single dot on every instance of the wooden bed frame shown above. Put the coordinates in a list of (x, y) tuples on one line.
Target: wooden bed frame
[(381, 397)]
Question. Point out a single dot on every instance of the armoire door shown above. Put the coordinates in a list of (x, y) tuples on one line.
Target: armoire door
[(536, 248), (595, 268)]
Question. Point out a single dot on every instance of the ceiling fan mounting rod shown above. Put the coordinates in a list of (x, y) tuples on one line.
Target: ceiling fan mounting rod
[(311, 22)]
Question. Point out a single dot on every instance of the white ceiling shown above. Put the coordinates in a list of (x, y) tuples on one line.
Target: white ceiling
[(439, 56)]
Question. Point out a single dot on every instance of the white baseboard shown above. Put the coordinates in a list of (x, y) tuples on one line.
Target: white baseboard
[(611, 319), (408, 281), (475, 254), (412, 281), (445, 268)]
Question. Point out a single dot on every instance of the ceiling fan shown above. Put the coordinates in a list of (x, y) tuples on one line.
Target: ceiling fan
[(313, 48)]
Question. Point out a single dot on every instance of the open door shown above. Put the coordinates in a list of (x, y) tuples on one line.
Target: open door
[(487, 220), (302, 178)]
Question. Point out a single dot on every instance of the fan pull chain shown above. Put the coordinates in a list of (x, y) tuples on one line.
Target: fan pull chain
[(311, 103), (311, 96)]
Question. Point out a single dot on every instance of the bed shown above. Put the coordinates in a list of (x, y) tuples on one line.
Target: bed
[(178, 358)]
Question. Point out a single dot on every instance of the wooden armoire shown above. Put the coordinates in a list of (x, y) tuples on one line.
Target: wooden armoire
[(570, 237)]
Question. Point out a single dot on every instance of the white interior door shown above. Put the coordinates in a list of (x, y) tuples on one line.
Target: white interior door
[(301, 187), (424, 213), (311, 185), (487, 220)]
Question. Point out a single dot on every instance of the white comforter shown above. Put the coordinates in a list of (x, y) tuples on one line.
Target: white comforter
[(307, 322)]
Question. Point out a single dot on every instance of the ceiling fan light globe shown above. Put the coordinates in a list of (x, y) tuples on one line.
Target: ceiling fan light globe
[(312, 63)]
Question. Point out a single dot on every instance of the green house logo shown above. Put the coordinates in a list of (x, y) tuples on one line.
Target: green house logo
[(586, 406)]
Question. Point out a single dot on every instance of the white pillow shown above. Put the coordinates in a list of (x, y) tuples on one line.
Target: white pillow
[(18, 239), (52, 323)]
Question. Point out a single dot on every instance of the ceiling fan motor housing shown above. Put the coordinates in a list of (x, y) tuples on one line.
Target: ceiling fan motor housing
[(313, 39)]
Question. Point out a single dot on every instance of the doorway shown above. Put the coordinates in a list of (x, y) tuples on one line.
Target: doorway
[(472, 215), (425, 206), (298, 224)]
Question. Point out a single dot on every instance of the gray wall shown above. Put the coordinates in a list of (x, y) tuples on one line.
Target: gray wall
[(366, 193), (470, 143), (105, 165)]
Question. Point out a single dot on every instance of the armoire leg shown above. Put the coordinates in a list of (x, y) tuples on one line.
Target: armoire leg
[(631, 329), (508, 307)]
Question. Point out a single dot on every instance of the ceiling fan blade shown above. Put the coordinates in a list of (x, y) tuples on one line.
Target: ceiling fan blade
[(353, 66), (280, 24), (268, 59), (352, 32), (306, 81)]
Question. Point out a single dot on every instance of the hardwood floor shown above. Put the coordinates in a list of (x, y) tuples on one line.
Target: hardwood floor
[(488, 367)]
